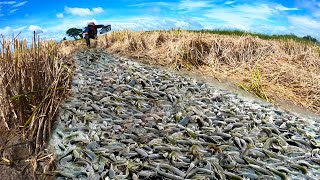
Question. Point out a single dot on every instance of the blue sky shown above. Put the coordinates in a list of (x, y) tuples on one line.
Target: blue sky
[(52, 18)]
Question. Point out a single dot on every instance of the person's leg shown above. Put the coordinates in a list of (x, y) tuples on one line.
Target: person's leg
[(87, 40)]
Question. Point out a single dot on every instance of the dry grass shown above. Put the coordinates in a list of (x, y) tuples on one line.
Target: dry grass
[(275, 70), (34, 79)]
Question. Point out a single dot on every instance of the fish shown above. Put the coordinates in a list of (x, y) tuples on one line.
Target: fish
[(128, 120)]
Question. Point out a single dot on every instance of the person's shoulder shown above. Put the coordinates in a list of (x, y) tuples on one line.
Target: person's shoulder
[(85, 29)]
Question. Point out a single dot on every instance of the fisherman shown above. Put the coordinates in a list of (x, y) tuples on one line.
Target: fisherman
[(91, 32)]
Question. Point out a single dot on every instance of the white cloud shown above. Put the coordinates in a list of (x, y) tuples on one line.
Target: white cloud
[(300, 26), (304, 21), (20, 4), (246, 15), (152, 4), (7, 2), (255, 17), (78, 11), (229, 2), (261, 11), (283, 8), (185, 5), (83, 11), (9, 31), (262, 18), (97, 10), (59, 15), (154, 10), (152, 23), (20, 29), (190, 4), (38, 29), (237, 21), (13, 10), (6, 31)]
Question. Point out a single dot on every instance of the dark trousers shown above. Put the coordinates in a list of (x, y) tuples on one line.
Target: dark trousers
[(88, 37)]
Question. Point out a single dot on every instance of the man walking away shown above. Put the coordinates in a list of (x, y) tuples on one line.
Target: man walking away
[(91, 32)]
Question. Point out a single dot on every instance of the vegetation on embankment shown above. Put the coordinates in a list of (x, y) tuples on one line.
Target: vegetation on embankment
[(277, 70), (33, 82), (305, 39)]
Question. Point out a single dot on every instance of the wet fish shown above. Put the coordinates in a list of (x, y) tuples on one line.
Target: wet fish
[(127, 120)]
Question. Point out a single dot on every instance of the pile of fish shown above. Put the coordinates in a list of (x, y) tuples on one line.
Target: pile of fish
[(127, 120)]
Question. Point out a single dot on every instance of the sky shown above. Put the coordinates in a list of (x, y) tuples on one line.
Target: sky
[(52, 18)]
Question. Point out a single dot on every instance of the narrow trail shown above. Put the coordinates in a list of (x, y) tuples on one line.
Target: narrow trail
[(127, 120)]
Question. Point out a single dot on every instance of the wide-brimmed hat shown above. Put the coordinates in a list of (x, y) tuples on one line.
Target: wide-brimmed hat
[(91, 24)]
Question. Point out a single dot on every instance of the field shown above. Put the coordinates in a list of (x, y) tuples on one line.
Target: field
[(36, 78)]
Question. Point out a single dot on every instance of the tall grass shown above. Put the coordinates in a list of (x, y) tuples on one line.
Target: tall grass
[(34, 79), (288, 69), (255, 86)]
